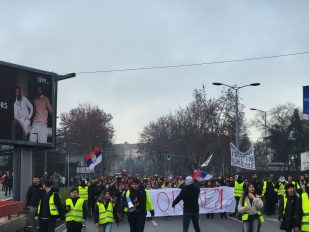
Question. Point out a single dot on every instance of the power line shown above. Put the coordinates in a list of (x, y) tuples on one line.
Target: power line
[(193, 64)]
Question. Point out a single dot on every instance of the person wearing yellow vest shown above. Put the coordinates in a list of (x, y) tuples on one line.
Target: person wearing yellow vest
[(76, 212), (301, 213), (270, 194), (239, 186), (49, 208), (287, 204), (83, 190), (105, 212), (138, 203), (281, 186), (250, 206)]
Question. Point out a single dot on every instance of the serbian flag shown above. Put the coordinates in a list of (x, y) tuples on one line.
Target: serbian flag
[(93, 158), (201, 176)]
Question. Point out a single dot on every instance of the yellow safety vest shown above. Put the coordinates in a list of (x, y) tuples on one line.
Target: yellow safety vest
[(305, 207), (245, 216), (105, 215), (149, 205), (281, 188), (52, 207), (83, 192), (265, 186), (76, 212), (238, 189)]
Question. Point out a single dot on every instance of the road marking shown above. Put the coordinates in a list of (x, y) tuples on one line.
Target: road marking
[(235, 219), (272, 219)]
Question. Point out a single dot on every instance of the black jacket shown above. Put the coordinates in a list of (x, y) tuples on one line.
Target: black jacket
[(44, 205), (287, 217), (33, 195), (189, 194)]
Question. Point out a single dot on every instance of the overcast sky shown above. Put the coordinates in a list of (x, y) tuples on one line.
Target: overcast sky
[(76, 36)]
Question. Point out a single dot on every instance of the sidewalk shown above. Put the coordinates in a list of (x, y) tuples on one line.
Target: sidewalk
[(3, 197)]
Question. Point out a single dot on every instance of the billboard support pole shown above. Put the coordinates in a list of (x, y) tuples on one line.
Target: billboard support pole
[(16, 174), (22, 170)]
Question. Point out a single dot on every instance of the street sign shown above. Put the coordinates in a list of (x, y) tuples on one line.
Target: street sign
[(306, 99)]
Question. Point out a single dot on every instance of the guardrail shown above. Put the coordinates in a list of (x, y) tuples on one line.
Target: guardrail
[(9, 208)]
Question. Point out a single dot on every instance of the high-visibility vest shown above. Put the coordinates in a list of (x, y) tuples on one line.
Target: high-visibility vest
[(83, 192), (149, 205), (265, 186), (281, 188), (245, 216), (105, 215), (52, 207), (305, 208), (76, 212), (238, 189)]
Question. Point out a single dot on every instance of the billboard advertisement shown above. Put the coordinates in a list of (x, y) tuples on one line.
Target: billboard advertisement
[(27, 106)]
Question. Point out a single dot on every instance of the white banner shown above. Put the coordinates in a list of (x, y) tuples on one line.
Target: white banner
[(211, 200), (304, 157), (243, 160)]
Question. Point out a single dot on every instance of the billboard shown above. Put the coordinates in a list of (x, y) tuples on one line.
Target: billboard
[(306, 99), (27, 106)]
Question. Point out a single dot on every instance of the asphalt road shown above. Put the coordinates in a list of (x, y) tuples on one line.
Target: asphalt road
[(175, 225)]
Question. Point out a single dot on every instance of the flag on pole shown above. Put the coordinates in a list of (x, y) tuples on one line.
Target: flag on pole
[(205, 164), (201, 176), (93, 158)]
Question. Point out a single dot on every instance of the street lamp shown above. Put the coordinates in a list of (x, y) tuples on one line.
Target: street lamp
[(236, 88), (265, 117)]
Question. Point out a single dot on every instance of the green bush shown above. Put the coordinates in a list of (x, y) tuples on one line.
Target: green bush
[(64, 194)]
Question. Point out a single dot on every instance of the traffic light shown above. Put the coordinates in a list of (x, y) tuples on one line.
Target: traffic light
[(168, 157)]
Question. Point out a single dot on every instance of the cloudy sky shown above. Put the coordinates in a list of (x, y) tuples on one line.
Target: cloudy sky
[(78, 36)]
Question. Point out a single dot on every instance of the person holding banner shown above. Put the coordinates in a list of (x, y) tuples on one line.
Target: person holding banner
[(250, 206), (189, 194), (138, 203)]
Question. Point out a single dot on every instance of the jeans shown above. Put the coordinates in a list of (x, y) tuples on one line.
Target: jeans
[(187, 219), (253, 224), (107, 227), (33, 222)]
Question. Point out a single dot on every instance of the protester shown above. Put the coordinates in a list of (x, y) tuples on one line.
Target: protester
[(189, 194), (287, 206), (105, 212), (239, 187), (76, 212), (250, 206), (32, 200), (141, 203), (49, 208), (270, 195), (301, 214)]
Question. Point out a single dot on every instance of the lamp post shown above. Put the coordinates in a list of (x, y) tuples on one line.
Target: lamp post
[(265, 117), (236, 88)]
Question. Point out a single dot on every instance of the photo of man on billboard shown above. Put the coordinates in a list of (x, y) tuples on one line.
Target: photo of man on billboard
[(42, 107), (26, 106), (23, 111)]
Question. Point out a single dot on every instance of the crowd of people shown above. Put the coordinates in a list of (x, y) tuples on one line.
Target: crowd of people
[(112, 199)]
